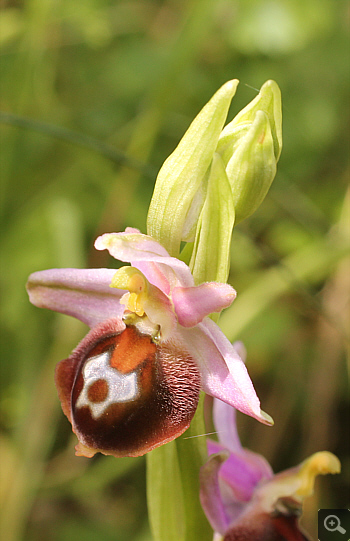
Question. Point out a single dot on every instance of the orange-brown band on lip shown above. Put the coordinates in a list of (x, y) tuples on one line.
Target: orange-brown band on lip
[(131, 349)]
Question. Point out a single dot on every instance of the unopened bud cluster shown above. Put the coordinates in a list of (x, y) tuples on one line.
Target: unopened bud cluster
[(215, 178)]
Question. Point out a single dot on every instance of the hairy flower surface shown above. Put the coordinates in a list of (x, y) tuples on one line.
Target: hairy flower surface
[(133, 382), (241, 496)]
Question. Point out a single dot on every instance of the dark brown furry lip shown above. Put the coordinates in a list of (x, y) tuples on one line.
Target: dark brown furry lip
[(165, 382)]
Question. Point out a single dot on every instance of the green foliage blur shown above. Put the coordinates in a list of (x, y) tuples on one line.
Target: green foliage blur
[(95, 94)]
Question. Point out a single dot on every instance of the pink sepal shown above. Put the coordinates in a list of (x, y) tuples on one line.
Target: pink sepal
[(82, 293), (149, 257)]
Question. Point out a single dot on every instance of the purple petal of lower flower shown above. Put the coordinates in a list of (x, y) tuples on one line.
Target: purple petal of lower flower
[(210, 494), (82, 293), (242, 471)]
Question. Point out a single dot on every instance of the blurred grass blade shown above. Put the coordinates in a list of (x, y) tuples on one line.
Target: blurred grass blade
[(69, 136)]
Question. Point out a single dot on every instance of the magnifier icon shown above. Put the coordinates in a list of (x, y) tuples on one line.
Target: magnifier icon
[(332, 524)]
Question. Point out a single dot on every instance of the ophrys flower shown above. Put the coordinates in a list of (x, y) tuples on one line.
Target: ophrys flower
[(133, 382), (243, 499)]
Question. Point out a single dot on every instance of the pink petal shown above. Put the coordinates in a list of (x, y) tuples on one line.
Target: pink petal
[(154, 274), (224, 417), (131, 230), (210, 495), (223, 372), (192, 304), (242, 471), (82, 293), (149, 257)]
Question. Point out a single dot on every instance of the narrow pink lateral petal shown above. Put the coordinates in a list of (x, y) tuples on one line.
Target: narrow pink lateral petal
[(223, 372), (82, 293), (192, 304), (154, 274), (149, 257), (210, 494)]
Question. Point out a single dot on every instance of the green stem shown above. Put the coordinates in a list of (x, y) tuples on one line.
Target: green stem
[(165, 496), (192, 453), (174, 507)]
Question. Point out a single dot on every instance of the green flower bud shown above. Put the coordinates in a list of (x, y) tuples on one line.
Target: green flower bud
[(250, 147), (181, 186)]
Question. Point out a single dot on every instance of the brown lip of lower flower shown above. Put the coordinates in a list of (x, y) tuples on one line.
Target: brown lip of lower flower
[(153, 391), (263, 527)]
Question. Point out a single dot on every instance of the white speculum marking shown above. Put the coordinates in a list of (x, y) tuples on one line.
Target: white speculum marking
[(121, 387)]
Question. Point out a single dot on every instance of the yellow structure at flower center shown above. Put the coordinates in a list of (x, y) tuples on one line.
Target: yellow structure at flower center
[(132, 280)]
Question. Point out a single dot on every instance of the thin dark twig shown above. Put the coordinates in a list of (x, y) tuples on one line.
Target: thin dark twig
[(116, 156)]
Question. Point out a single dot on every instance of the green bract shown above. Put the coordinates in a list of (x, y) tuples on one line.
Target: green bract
[(180, 188), (211, 250)]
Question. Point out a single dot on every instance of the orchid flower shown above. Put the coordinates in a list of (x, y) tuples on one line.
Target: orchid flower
[(241, 496), (133, 382)]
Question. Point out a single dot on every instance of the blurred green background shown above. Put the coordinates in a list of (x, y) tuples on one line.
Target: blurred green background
[(104, 90)]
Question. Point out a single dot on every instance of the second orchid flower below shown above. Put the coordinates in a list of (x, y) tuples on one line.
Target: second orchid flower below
[(241, 496)]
